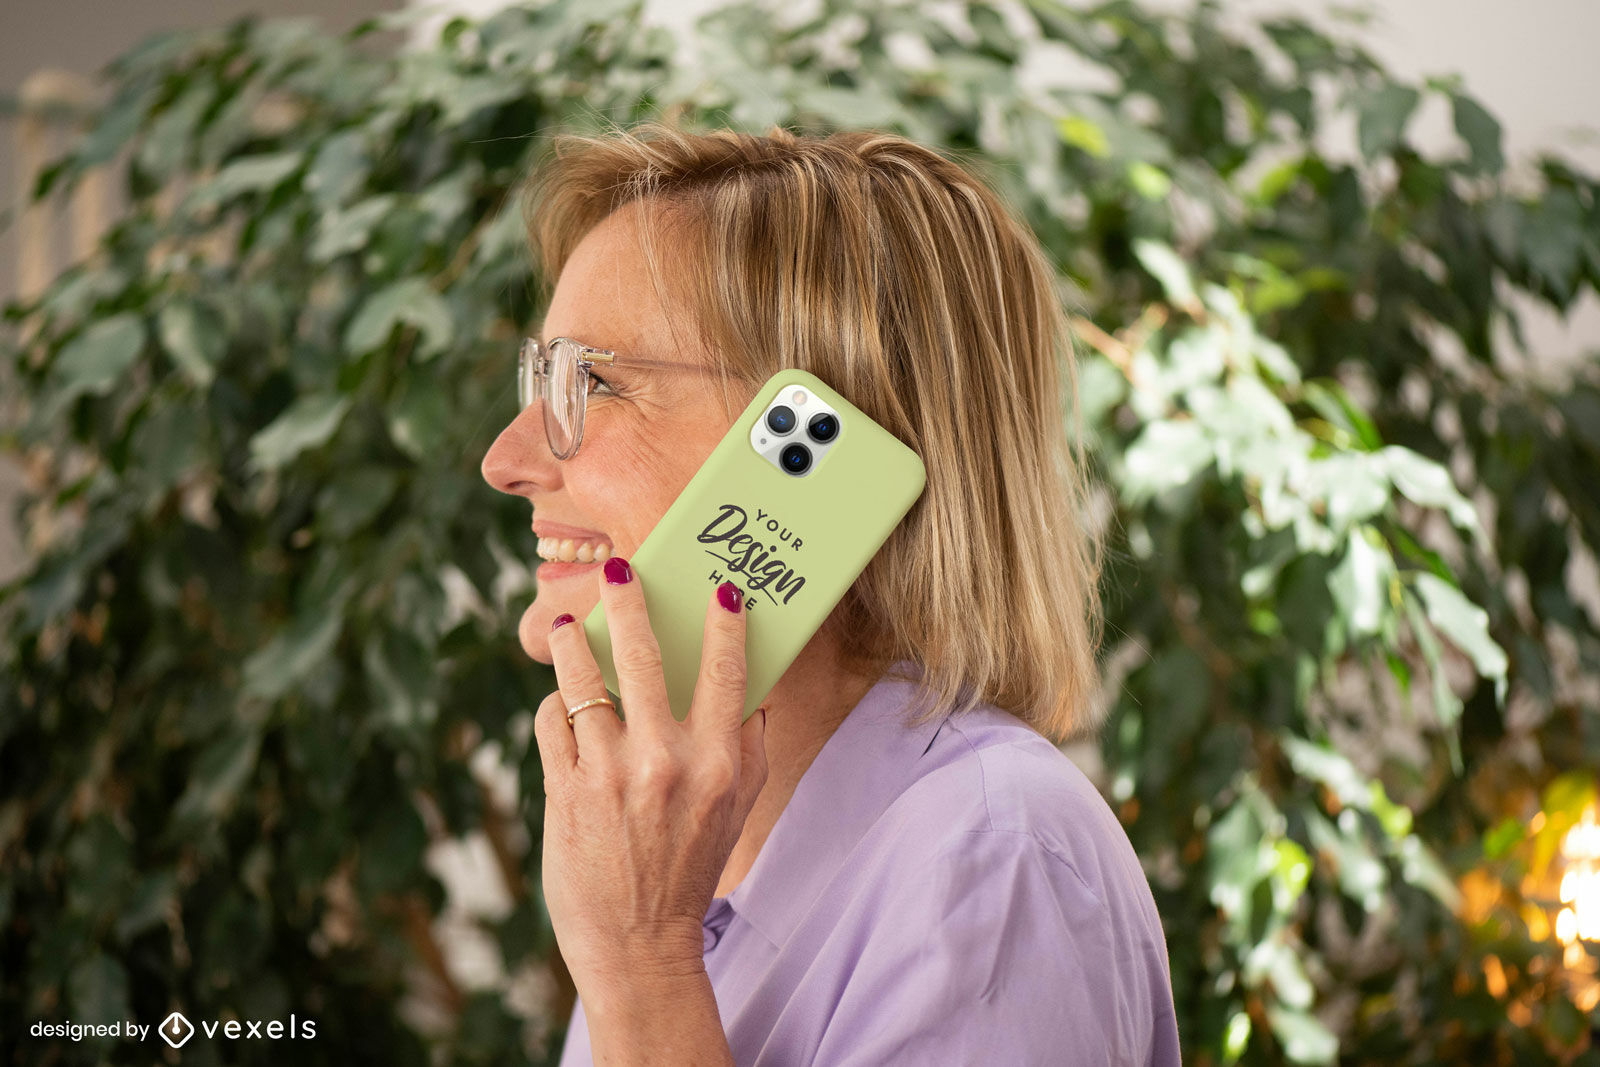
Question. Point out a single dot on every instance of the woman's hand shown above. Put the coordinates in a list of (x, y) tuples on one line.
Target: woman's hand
[(641, 817)]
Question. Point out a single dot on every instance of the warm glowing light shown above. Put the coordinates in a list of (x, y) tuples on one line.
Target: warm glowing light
[(1579, 918)]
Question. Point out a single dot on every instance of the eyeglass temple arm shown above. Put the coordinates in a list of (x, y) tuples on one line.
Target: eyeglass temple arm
[(611, 359), (605, 357)]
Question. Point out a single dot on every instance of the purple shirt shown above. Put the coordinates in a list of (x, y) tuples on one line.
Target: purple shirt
[(957, 893)]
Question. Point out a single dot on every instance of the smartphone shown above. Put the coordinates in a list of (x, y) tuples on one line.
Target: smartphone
[(791, 506)]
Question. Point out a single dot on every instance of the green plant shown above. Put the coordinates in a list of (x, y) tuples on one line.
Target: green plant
[(272, 613)]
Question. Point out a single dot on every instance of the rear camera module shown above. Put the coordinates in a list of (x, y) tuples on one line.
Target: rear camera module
[(796, 459), (780, 419), (823, 427)]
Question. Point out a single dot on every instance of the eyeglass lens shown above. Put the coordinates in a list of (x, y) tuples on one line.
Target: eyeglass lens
[(563, 393)]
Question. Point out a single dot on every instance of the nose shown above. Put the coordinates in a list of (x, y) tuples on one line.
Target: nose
[(520, 461)]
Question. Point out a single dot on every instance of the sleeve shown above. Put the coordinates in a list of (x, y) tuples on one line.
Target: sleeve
[(998, 952)]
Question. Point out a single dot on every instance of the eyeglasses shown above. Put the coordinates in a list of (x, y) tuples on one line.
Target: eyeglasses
[(558, 372)]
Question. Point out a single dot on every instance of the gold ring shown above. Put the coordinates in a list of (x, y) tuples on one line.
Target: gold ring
[(589, 704)]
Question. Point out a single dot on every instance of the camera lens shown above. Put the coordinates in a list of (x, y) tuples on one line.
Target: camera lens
[(796, 459), (823, 427), (781, 419)]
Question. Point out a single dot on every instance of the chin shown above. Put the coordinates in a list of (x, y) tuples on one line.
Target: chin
[(533, 629), (533, 632)]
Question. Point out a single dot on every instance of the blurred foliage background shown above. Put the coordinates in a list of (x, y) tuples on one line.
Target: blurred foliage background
[(260, 671)]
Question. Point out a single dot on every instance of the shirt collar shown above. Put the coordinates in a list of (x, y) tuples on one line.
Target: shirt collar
[(868, 761)]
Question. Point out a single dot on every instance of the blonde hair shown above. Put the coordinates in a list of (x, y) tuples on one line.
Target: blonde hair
[(902, 280)]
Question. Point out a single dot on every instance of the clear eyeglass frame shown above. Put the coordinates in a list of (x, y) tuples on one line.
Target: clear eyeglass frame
[(557, 372)]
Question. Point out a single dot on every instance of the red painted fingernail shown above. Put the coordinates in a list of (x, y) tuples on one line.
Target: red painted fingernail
[(560, 621), (728, 596), (617, 571)]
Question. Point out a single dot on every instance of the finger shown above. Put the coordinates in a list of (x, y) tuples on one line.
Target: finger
[(597, 729), (558, 748), (752, 760), (634, 650), (720, 689)]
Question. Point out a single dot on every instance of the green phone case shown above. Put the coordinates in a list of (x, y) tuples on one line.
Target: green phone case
[(792, 544)]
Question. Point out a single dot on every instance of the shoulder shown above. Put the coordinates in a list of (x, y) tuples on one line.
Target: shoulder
[(1008, 919), (993, 786)]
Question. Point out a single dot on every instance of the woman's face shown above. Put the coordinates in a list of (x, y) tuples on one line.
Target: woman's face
[(645, 434)]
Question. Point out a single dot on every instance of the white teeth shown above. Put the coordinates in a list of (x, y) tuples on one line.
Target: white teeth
[(569, 550)]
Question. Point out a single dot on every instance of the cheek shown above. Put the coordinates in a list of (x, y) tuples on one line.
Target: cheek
[(632, 482)]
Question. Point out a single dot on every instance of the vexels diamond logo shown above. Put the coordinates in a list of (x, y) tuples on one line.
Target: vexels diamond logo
[(175, 1029)]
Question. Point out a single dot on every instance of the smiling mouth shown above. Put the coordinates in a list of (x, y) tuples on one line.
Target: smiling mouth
[(570, 550)]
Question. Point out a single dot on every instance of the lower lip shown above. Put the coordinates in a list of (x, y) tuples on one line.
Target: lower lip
[(558, 569)]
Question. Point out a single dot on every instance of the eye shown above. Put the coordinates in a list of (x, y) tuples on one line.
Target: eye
[(599, 385)]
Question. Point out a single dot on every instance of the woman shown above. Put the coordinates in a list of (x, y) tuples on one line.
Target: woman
[(891, 863)]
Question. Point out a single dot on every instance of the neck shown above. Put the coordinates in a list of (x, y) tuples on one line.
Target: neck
[(813, 697)]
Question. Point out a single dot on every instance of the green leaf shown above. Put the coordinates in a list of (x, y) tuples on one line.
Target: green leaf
[(1304, 1037), (1322, 763), (1361, 874), (1466, 625), (1355, 486), (295, 651), (396, 664), (1236, 1038), (1446, 703), (170, 443), (1291, 871), (1552, 239), (98, 990), (1395, 819), (1420, 867), (1501, 838), (1330, 400), (1168, 268), (1287, 974), (221, 771), (95, 360), (251, 174), (1083, 133), (419, 422), (339, 169), (1148, 181), (392, 850), (410, 301), (1166, 455), (308, 423), (1383, 117), (170, 139), (148, 905), (193, 335), (340, 232), (1360, 582), (353, 497), (1481, 132), (861, 105), (1428, 483)]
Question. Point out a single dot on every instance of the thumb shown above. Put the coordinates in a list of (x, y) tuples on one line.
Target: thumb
[(752, 760)]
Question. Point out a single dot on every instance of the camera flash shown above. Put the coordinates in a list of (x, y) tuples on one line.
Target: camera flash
[(799, 396)]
